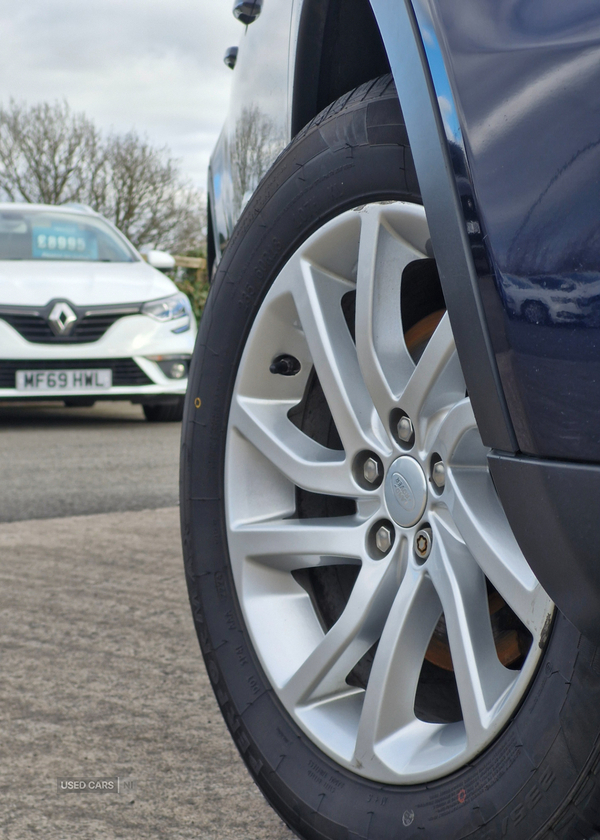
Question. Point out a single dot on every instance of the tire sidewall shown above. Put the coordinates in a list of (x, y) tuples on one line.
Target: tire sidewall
[(516, 786)]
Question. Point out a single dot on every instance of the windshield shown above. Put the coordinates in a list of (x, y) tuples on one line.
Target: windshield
[(44, 235)]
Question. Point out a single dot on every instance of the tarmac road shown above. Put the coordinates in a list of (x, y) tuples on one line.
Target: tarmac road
[(57, 461), (102, 675)]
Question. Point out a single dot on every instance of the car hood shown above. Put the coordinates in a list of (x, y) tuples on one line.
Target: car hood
[(35, 283)]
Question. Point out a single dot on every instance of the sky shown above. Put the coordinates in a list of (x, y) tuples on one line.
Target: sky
[(155, 66)]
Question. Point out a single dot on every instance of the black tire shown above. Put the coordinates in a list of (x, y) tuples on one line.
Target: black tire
[(164, 412), (535, 312), (539, 778), (80, 402)]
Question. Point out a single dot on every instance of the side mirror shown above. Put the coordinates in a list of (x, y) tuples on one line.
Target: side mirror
[(246, 11), (160, 260)]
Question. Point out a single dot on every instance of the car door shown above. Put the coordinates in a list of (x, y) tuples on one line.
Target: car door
[(257, 126)]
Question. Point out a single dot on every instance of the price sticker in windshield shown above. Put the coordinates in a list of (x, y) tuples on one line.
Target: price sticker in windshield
[(63, 242)]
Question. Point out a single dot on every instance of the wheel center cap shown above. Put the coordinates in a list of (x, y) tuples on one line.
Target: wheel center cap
[(406, 491)]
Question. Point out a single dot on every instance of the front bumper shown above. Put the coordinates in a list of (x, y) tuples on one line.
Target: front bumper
[(134, 378), (124, 348)]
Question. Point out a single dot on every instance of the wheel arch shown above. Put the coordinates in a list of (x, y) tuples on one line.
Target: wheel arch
[(331, 34), (211, 251)]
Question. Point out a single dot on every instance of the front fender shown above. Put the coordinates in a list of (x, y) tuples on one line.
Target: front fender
[(526, 382)]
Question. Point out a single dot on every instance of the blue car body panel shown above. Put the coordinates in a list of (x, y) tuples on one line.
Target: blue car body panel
[(526, 82)]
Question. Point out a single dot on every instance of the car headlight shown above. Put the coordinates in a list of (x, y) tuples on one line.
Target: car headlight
[(168, 309)]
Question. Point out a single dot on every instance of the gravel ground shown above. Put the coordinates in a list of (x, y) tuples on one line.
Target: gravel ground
[(102, 677)]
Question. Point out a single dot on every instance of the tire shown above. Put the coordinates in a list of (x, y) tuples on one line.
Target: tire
[(535, 312), (80, 402), (289, 507), (164, 412)]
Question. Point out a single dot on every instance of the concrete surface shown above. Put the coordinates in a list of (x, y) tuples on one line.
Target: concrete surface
[(57, 461), (102, 677)]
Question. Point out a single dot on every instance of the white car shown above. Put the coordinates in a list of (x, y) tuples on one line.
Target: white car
[(83, 317), (551, 299)]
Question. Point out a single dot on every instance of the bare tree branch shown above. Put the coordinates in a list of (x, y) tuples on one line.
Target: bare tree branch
[(256, 142), (50, 155)]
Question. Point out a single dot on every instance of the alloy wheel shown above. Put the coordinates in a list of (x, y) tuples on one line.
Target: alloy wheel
[(387, 599)]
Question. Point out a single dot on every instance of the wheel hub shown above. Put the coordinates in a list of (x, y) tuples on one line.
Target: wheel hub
[(406, 491)]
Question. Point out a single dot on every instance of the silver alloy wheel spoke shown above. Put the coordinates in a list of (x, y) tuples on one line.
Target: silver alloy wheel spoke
[(455, 425), (388, 707), (478, 514), (324, 672), (460, 584), (354, 687), (304, 461), (436, 383), (471, 499), (385, 362), (318, 301), (292, 544)]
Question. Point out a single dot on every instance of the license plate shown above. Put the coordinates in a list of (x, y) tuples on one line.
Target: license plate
[(64, 380)]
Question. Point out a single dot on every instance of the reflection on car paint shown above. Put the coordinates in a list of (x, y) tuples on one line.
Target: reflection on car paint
[(256, 129), (256, 142), (553, 299)]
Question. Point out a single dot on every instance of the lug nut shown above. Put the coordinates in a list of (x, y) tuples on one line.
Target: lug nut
[(438, 475), (383, 539), (367, 470), (423, 541), (405, 429), (371, 470)]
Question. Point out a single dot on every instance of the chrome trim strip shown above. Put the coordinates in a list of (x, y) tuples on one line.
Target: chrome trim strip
[(82, 312)]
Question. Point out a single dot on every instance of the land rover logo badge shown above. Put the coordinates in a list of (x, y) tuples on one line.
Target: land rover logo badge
[(61, 319), (402, 492)]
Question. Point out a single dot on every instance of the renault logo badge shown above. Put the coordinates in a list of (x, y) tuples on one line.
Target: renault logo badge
[(61, 319)]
